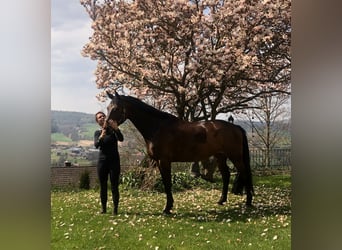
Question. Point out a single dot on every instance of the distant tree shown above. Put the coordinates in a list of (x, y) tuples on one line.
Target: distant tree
[(85, 180), (92, 156), (62, 158), (74, 135), (269, 120), (195, 58), (54, 126)]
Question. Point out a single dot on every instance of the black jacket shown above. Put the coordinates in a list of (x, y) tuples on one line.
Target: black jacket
[(108, 145)]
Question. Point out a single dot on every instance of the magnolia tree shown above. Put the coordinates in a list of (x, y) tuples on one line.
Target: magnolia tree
[(194, 58)]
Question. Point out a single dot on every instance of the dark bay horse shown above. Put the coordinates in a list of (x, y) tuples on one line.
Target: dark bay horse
[(170, 139)]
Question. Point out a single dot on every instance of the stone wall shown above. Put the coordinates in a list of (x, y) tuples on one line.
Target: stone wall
[(70, 176)]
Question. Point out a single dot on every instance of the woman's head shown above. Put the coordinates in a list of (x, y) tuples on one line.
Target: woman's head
[(100, 118)]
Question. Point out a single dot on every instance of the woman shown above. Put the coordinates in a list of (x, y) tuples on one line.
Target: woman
[(106, 139)]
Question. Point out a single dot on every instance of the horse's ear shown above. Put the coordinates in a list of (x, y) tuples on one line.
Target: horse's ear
[(117, 95), (110, 95)]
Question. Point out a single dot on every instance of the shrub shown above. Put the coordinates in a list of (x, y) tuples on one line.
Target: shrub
[(150, 179), (182, 181), (85, 180), (140, 177)]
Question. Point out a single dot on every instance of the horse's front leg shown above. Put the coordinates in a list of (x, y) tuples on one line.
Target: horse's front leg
[(165, 171), (225, 179)]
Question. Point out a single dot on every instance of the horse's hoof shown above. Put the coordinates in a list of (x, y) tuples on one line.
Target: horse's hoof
[(167, 212), (221, 202), (249, 205)]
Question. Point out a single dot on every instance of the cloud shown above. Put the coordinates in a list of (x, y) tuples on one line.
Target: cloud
[(67, 42), (73, 85)]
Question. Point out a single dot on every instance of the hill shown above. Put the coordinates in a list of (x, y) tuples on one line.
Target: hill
[(72, 135), (68, 118), (74, 126), (77, 127)]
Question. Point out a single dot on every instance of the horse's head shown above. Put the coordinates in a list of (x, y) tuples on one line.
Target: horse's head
[(115, 109)]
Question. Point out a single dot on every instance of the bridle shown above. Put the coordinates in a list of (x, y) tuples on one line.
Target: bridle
[(123, 116)]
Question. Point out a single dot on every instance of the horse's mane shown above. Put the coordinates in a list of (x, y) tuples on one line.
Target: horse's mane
[(144, 107)]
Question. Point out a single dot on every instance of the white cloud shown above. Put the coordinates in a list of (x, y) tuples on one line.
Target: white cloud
[(67, 43), (73, 86)]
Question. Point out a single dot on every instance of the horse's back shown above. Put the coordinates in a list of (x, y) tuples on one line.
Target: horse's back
[(227, 136), (194, 141)]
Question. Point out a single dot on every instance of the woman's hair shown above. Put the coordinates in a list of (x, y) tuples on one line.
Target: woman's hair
[(100, 112)]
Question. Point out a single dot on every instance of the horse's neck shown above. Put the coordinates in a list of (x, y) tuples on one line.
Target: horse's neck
[(145, 124)]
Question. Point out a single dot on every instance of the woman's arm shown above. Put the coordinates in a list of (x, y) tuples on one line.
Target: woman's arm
[(119, 135), (97, 140), (114, 125)]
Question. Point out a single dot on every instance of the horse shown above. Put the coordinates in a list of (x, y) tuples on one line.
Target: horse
[(170, 139)]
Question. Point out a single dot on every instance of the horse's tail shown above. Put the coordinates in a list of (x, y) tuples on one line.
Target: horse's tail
[(247, 161), (244, 181)]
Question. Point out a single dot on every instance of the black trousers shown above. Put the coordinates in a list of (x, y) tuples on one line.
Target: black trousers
[(111, 168)]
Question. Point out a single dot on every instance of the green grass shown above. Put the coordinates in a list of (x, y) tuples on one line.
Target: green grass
[(197, 221), (88, 131), (275, 181), (60, 137), (74, 160)]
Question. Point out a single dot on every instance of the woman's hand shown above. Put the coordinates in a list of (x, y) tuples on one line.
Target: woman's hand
[(103, 130), (103, 133), (113, 124)]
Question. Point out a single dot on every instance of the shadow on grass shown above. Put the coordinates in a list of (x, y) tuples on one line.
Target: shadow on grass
[(221, 213), (234, 214)]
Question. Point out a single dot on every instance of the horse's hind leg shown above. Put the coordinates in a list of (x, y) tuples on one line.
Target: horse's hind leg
[(249, 189), (243, 181), (224, 170), (238, 184), (165, 171)]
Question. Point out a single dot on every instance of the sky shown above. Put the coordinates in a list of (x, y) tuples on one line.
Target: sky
[(73, 86)]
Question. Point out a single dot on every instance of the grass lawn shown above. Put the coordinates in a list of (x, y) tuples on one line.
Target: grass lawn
[(60, 137), (197, 221)]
